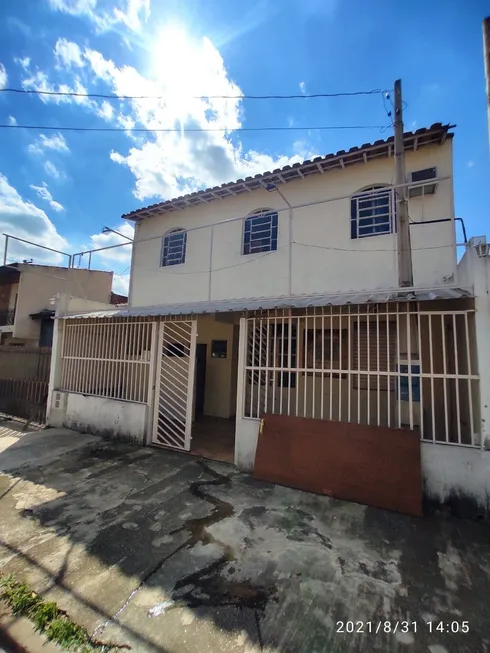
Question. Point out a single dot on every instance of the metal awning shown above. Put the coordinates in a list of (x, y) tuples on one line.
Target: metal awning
[(270, 303)]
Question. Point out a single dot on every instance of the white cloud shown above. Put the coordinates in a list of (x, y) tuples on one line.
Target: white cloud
[(130, 13), (53, 171), (105, 110), (43, 192), (56, 142), (169, 164), (181, 71), (3, 76), (12, 120), (25, 220), (470, 164), (302, 87), (68, 53), (24, 62), (120, 283), (39, 81)]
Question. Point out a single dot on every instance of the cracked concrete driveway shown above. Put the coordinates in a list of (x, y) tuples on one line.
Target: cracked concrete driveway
[(164, 552)]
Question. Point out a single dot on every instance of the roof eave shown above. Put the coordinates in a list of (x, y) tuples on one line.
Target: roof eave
[(434, 135)]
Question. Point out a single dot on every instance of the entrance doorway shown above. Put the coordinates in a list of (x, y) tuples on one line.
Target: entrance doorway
[(201, 353), (195, 398)]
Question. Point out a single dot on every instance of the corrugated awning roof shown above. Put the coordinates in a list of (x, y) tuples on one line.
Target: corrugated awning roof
[(270, 303), (436, 134)]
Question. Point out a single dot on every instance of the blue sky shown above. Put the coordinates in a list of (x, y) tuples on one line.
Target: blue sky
[(61, 188)]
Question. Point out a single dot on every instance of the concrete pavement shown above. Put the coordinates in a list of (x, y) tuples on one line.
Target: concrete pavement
[(165, 552)]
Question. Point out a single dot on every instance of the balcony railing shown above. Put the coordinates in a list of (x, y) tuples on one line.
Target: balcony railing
[(7, 317)]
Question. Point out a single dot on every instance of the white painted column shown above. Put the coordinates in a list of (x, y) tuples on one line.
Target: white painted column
[(247, 430), (480, 268), (55, 417)]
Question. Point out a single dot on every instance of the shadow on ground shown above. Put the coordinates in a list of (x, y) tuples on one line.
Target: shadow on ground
[(166, 552)]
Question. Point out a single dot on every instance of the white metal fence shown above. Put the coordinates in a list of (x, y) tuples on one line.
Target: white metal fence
[(396, 365), (107, 358)]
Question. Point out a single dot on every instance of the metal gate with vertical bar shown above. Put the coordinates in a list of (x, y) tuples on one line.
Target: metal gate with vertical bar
[(174, 389)]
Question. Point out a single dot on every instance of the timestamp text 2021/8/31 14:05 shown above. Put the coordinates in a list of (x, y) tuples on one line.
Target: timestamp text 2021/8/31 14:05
[(402, 626)]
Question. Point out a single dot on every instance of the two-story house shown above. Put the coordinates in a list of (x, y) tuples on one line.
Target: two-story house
[(278, 295)]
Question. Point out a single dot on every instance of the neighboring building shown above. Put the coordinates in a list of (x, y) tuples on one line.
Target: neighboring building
[(279, 294), (117, 299), (27, 298)]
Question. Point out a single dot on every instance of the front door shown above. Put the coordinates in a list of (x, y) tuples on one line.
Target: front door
[(174, 390), (201, 353)]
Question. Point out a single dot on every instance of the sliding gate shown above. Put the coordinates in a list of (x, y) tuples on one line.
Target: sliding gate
[(174, 388)]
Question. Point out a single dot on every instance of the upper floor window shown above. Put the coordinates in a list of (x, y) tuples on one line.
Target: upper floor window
[(371, 213), (260, 233), (174, 245)]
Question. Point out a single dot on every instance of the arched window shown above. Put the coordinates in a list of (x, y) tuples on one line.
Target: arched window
[(260, 232), (173, 248), (371, 212)]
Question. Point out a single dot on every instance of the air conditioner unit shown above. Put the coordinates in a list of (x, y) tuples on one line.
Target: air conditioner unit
[(420, 176)]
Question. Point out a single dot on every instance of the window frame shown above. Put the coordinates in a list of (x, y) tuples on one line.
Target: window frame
[(164, 262), (273, 232), (375, 228)]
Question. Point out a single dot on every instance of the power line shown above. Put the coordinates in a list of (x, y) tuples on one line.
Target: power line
[(190, 129), (103, 96)]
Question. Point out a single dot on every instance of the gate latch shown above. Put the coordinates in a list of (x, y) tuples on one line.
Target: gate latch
[(261, 426)]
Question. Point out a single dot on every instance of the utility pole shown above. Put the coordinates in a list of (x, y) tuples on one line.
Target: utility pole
[(486, 56), (405, 274)]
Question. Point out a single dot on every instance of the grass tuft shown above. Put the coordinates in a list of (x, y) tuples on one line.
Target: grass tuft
[(49, 619)]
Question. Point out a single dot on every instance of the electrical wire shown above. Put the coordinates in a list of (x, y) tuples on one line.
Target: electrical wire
[(368, 251), (191, 97), (191, 129)]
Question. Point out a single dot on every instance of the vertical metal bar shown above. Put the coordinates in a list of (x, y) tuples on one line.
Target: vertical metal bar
[(456, 380), (274, 374), (323, 363), (349, 363), (298, 363), (305, 358), (260, 366), (368, 341), (5, 250), (378, 361), (409, 352), (80, 337), (421, 389), (113, 357), (444, 356), (331, 362), (432, 402), (267, 364), (358, 363), (133, 357), (252, 379), (281, 385), (290, 344), (339, 367), (140, 364), (314, 365), (388, 366), (399, 377), (470, 393)]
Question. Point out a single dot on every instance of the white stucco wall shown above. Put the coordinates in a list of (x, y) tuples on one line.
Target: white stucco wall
[(330, 262), (451, 473), (121, 420), (246, 436)]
